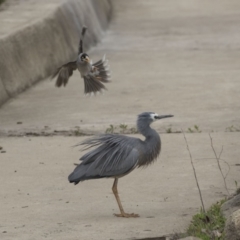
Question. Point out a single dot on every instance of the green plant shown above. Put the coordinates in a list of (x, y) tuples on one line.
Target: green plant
[(195, 129), (133, 130), (123, 128), (237, 188), (236, 184), (190, 130), (209, 225), (232, 129), (169, 130), (78, 132), (110, 129)]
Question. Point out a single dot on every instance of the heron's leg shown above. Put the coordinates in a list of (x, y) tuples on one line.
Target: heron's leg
[(115, 192)]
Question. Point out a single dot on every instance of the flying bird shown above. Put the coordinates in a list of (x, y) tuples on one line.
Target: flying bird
[(115, 155), (93, 74)]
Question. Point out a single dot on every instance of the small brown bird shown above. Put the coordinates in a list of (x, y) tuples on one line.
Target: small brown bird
[(94, 75)]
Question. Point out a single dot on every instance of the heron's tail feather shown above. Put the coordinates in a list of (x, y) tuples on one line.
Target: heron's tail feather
[(78, 174), (83, 172), (93, 85)]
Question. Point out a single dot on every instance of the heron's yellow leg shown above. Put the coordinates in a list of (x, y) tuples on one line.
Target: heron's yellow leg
[(122, 214)]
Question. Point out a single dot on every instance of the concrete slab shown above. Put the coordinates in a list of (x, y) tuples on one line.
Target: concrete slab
[(38, 202), (3, 94), (37, 36)]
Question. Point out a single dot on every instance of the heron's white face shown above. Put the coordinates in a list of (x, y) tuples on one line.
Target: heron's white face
[(154, 116)]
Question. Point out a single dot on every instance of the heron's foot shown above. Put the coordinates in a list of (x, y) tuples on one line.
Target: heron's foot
[(126, 215)]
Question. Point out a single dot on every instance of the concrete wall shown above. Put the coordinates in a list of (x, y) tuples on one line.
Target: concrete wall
[(32, 53)]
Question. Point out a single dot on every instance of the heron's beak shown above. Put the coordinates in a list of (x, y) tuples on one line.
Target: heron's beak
[(87, 59), (164, 116)]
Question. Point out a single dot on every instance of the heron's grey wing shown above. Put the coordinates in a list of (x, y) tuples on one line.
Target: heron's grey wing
[(115, 155), (64, 73), (80, 47), (110, 167)]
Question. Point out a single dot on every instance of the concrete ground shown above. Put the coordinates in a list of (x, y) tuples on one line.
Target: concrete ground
[(178, 58), (37, 202)]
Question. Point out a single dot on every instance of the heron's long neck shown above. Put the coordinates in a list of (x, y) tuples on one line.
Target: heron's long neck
[(152, 137), (144, 129), (152, 144)]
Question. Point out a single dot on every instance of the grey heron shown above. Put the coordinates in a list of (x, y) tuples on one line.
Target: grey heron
[(115, 155), (93, 74)]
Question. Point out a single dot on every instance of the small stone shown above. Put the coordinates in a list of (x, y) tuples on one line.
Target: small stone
[(216, 233), (232, 226), (230, 206)]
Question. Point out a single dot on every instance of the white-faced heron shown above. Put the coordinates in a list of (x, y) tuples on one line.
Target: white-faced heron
[(115, 155), (94, 75)]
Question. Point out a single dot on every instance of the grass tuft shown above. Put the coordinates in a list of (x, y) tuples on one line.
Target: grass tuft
[(195, 129), (122, 128), (210, 225)]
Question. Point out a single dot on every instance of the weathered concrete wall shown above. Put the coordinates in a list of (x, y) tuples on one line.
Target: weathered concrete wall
[(30, 54)]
